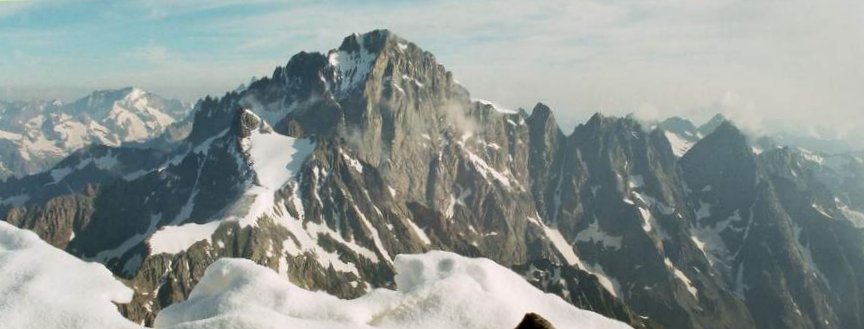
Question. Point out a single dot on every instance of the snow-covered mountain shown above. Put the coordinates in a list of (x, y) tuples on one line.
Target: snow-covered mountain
[(338, 162), (43, 287), (36, 135), (683, 134)]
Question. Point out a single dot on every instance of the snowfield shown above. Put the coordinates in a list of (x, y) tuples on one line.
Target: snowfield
[(275, 158), (680, 146), (43, 287), (436, 290)]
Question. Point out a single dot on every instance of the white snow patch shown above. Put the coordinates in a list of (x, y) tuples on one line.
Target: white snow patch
[(821, 210), (420, 233), (608, 282), (352, 67), (353, 163), (44, 287), (649, 223), (651, 202), (680, 146), (105, 162), (487, 171), (435, 290), (263, 202), (647, 219), (757, 150), (10, 136), (681, 277), (855, 217), (276, 158), (594, 234), (811, 156), (708, 240), (174, 239), (558, 241), (457, 200), (569, 255), (486, 144), (307, 240), (376, 239)]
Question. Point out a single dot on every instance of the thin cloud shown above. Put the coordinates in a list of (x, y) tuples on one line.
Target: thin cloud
[(796, 60)]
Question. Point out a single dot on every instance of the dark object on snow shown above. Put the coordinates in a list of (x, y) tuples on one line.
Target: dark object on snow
[(534, 321)]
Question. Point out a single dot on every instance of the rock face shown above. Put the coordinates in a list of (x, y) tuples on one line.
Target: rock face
[(338, 162), (36, 135), (534, 321)]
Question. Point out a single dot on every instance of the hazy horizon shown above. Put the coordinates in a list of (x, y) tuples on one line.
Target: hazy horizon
[(770, 66)]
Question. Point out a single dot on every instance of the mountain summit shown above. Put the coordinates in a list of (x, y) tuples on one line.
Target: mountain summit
[(338, 162), (36, 135)]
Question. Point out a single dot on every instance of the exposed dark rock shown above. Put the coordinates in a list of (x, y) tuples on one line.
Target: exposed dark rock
[(534, 321), (403, 161)]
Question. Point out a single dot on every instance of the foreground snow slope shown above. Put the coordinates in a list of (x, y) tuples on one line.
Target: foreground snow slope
[(44, 287), (436, 290)]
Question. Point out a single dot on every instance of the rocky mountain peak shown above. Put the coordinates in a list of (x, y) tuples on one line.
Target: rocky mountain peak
[(111, 95), (716, 121), (678, 125), (728, 130), (542, 118), (133, 98), (375, 151), (302, 68), (723, 154), (542, 111), (596, 119), (374, 41), (247, 122), (600, 124), (717, 118), (382, 57), (355, 58), (36, 135)]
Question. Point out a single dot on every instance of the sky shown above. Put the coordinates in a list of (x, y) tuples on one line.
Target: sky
[(767, 64)]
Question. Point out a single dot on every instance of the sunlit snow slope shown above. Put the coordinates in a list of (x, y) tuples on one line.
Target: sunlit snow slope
[(43, 287)]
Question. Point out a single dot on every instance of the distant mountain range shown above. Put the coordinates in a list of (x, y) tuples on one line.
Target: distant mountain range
[(36, 135), (338, 162)]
